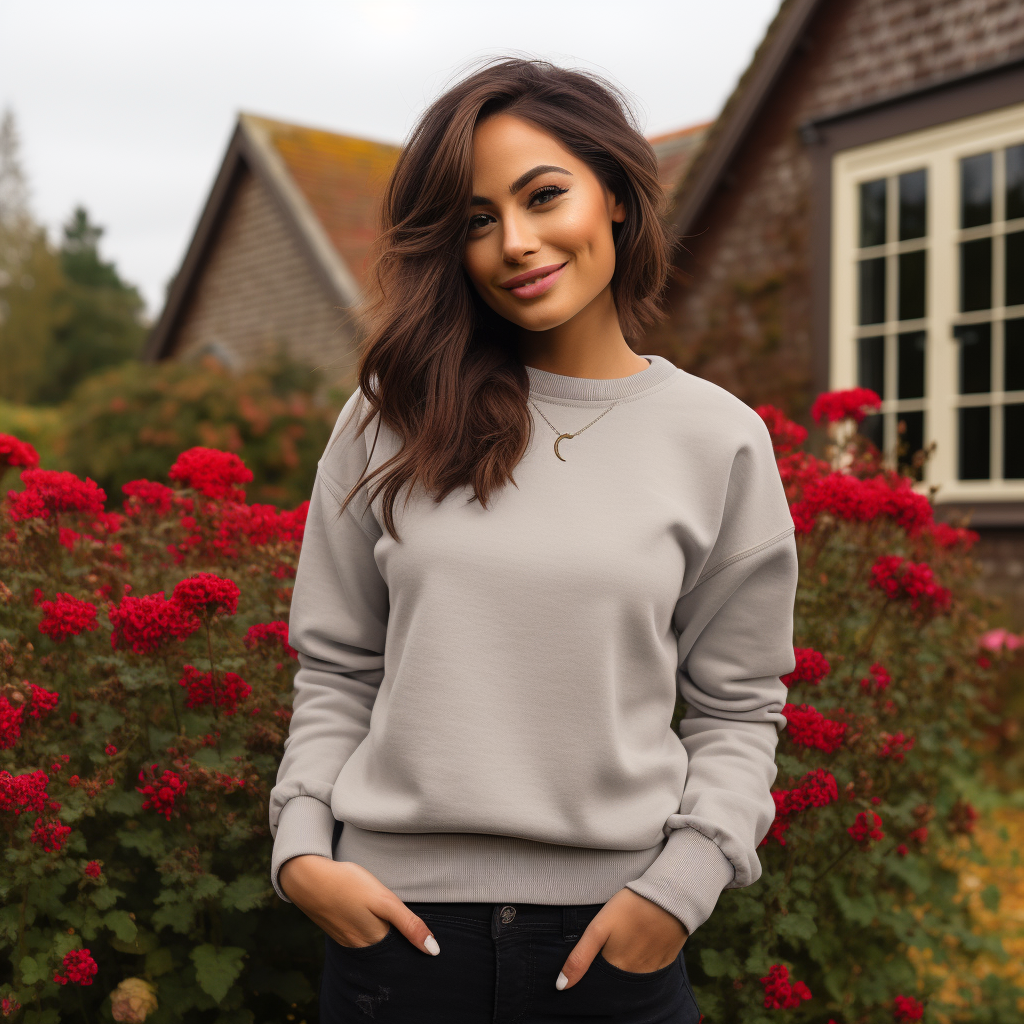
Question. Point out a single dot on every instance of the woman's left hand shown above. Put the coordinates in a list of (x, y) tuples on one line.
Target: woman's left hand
[(631, 933)]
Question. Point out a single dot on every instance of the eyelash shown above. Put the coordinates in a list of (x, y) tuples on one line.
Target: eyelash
[(549, 190)]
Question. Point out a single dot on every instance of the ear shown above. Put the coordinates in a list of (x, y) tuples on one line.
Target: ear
[(616, 210)]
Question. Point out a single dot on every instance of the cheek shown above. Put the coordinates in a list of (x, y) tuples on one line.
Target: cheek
[(585, 232)]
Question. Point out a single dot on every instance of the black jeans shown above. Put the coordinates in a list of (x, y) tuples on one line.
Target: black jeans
[(498, 965)]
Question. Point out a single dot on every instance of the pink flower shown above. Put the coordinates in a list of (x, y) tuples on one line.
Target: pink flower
[(811, 667), (838, 405), (145, 624), (1000, 639), (79, 968), (67, 616), (779, 993), (48, 491), (273, 634), (206, 594), (808, 727), (214, 473)]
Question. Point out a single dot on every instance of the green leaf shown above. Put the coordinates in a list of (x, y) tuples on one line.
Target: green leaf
[(104, 897), (246, 893), (795, 926), (148, 841), (121, 925), (217, 969), (990, 897), (122, 802), (32, 971), (177, 916), (715, 965), (159, 961)]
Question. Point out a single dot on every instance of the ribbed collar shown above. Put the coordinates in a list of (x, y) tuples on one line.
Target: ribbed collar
[(588, 389)]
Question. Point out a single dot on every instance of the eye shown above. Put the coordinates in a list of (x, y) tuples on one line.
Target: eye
[(547, 193), (479, 220)]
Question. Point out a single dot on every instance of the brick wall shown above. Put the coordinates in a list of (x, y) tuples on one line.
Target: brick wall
[(739, 303), (257, 289)]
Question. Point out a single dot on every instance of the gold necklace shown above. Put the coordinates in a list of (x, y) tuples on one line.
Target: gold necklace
[(563, 436)]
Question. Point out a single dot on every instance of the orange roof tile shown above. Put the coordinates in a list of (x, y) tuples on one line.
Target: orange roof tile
[(675, 150)]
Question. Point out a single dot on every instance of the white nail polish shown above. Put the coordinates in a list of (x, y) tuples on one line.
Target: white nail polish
[(562, 981), (431, 945)]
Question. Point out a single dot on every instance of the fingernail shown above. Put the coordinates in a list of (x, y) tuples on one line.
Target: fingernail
[(430, 943), (562, 981)]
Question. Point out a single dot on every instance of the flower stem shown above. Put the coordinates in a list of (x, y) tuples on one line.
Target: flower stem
[(213, 682)]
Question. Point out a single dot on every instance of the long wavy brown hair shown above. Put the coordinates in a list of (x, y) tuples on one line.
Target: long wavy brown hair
[(439, 366)]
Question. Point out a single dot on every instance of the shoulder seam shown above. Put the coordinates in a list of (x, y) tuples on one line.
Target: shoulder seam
[(708, 573), (329, 485)]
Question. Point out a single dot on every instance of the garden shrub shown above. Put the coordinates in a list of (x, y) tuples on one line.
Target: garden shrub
[(145, 689)]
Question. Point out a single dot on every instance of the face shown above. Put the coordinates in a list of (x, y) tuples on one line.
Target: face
[(539, 246)]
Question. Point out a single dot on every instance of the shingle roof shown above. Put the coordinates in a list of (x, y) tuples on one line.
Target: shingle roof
[(342, 179), (675, 150)]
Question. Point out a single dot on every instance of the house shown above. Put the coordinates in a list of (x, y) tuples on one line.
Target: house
[(279, 253), (855, 216), (278, 256)]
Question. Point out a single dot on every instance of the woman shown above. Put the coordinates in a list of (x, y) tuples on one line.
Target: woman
[(524, 541)]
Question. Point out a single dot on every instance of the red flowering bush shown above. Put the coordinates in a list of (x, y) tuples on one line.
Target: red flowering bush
[(145, 690)]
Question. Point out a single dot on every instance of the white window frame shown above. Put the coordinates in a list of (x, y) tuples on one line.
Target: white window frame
[(939, 150)]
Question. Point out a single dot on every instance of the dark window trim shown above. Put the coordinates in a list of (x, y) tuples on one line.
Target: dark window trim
[(966, 96)]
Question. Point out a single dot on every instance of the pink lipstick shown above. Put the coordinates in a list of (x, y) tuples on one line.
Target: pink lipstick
[(534, 282)]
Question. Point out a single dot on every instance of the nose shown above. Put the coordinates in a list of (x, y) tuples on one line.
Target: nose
[(518, 241)]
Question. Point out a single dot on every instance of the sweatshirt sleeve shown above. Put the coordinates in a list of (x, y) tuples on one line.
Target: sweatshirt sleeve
[(337, 624), (735, 640)]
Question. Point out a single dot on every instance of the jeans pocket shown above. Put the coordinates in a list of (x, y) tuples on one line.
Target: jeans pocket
[(373, 947), (618, 972)]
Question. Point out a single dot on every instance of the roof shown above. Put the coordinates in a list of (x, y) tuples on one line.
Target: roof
[(675, 150)]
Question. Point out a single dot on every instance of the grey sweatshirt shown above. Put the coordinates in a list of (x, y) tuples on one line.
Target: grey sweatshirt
[(486, 704)]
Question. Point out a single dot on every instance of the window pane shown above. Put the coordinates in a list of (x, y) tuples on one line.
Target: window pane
[(872, 212), (912, 274), (872, 291), (871, 428), (975, 358), (1015, 268), (871, 364), (1013, 370), (976, 274), (976, 190), (911, 439), (1013, 442), (910, 375), (974, 445), (913, 204), (1014, 182)]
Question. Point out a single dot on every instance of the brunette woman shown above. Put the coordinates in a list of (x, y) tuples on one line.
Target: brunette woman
[(524, 542)]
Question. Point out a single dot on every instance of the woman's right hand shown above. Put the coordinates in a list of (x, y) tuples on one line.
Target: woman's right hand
[(349, 903)]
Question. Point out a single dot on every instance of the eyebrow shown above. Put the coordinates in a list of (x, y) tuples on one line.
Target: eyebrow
[(523, 179)]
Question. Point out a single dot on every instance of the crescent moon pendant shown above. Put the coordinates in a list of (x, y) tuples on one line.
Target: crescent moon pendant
[(561, 437)]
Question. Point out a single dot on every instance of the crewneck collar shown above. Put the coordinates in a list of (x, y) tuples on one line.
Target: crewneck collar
[(589, 389)]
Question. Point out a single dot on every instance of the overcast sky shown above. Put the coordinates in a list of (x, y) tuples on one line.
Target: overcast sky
[(126, 106)]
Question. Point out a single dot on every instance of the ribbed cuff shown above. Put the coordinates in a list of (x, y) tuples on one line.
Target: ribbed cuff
[(687, 878), (306, 825)]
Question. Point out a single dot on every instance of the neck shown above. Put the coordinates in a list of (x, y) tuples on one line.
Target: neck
[(590, 344)]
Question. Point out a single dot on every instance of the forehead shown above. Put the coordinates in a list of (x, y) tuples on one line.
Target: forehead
[(505, 145)]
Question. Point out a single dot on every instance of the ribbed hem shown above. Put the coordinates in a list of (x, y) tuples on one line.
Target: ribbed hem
[(475, 867), (306, 825), (588, 389), (687, 878)]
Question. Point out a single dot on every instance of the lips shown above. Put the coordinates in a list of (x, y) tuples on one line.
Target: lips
[(534, 282)]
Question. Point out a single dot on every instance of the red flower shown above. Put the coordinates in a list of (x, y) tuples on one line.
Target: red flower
[(898, 577), (947, 536), (810, 728), (79, 968), (865, 829), (10, 724), (145, 624), (779, 994), (895, 745), (161, 794), (962, 817), (784, 432), (93, 869), (26, 792), (231, 690), (919, 835), (880, 679), (838, 405), (214, 473), (815, 789), (147, 494), (206, 594), (902, 849), (811, 667), (274, 634), (906, 1008), (50, 835), (42, 701), (16, 453), (67, 616), (48, 491), (856, 500)]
